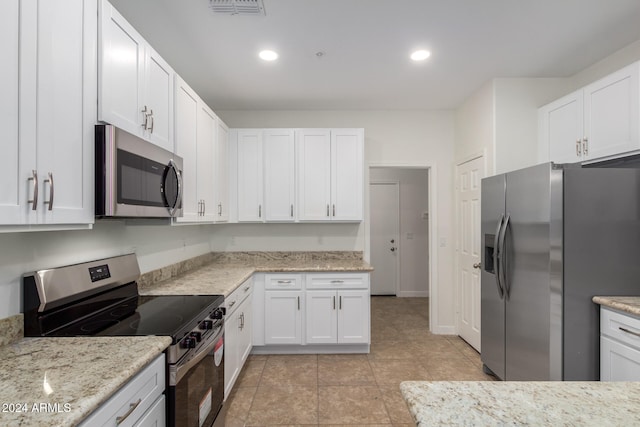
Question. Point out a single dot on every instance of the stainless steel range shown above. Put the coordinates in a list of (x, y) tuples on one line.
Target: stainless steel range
[(100, 298)]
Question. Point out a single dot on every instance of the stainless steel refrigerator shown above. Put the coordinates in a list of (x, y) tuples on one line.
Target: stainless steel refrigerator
[(554, 236)]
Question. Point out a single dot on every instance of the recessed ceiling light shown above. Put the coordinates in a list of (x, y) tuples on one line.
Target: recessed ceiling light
[(268, 55), (420, 55)]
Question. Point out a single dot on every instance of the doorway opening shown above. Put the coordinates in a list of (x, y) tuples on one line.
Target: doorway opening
[(399, 231)]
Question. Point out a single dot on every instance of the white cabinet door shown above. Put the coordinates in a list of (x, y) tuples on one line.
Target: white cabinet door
[(221, 181), (158, 97), (231, 351), (321, 317), (353, 317), (250, 184), (121, 65), (279, 175), (313, 148), (283, 318), (612, 114), (245, 336), (66, 110), (561, 124), (347, 146), (207, 128), (186, 146), (15, 172), (618, 362)]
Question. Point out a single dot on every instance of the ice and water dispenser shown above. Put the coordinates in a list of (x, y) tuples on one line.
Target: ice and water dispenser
[(489, 247)]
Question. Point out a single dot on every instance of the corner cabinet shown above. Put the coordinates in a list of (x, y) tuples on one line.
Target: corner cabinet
[(619, 346), (135, 85), (597, 122), (312, 313), (330, 174), (48, 108)]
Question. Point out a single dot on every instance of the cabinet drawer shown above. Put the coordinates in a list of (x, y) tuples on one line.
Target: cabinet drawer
[(140, 393), (283, 281), (622, 327), (236, 297), (338, 281)]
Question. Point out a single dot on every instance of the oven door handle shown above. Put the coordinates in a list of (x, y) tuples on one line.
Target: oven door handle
[(182, 369)]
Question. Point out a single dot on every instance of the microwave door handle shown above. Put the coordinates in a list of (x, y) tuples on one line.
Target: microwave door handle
[(174, 208)]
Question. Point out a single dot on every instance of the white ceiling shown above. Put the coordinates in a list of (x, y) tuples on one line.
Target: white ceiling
[(367, 45)]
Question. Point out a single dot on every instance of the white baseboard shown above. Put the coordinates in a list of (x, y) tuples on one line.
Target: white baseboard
[(311, 349), (409, 294)]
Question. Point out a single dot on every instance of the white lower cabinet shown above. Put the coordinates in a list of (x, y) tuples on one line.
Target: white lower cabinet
[(140, 402), (283, 302), (313, 308), (238, 333), (619, 346)]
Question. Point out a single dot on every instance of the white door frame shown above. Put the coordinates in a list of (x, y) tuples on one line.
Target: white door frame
[(397, 227), (457, 231), (432, 220)]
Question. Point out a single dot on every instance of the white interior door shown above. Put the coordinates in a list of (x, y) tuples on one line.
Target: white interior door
[(385, 236), (468, 177)]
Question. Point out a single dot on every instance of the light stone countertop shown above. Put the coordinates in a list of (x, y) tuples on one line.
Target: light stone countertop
[(223, 276), (629, 305), (483, 403), (82, 372)]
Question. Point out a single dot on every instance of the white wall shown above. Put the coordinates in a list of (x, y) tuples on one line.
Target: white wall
[(155, 245), (414, 230), (474, 123), (392, 138), (608, 65)]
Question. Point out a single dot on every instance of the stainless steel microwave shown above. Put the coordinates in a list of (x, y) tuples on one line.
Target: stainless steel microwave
[(135, 178)]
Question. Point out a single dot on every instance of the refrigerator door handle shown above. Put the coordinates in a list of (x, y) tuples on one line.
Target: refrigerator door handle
[(496, 256), (503, 258)]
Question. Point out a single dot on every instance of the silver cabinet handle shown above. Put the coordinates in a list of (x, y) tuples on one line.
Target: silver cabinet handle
[(340, 306), (334, 302), (219, 209), (132, 407), (50, 201), (585, 146), (199, 207), (259, 211), (578, 148), (337, 281), (298, 303), (291, 211), (204, 207), (247, 288), (151, 115), (334, 210), (146, 117), (232, 304), (34, 178), (327, 210), (284, 281), (241, 325), (629, 331)]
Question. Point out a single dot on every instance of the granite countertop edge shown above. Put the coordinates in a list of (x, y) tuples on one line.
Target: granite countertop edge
[(626, 304), (81, 372)]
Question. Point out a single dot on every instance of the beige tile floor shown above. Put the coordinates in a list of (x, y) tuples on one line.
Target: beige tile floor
[(350, 390)]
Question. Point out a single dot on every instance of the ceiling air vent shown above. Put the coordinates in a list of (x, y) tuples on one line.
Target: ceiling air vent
[(237, 7)]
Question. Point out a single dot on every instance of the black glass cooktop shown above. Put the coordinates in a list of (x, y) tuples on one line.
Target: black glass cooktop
[(167, 315)]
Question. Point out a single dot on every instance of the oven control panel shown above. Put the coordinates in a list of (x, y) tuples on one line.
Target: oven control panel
[(99, 272)]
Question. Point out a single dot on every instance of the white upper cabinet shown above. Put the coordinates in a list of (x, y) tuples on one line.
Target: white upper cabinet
[(599, 121), (612, 114), (561, 124), (347, 162), (330, 174), (314, 174), (250, 179), (279, 175), (135, 83), (48, 108), (221, 180), (207, 128)]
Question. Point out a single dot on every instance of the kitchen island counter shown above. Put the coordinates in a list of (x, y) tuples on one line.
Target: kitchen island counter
[(464, 403), (222, 273), (629, 305), (60, 381)]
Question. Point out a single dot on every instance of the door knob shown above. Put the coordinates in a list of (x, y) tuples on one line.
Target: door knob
[(476, 265), (393, 249), (393, 241)]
